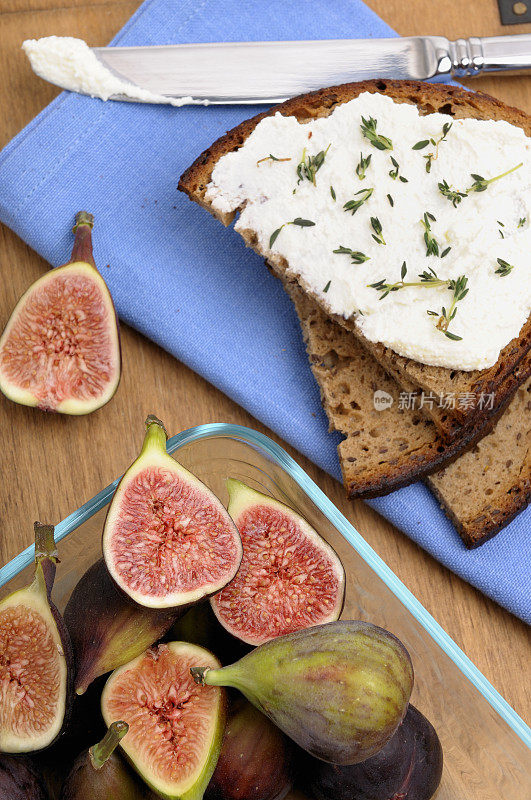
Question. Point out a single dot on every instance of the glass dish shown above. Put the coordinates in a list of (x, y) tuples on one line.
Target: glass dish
[(485, 742)]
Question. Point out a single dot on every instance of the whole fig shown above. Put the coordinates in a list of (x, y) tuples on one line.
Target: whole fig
[(408, 767), (256, 760), (339, 690), (19, 780)]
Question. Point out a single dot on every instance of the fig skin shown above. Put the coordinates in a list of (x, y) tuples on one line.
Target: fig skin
[(408, 767), (153, 693), (15, 388), (200, 626), (256, 760), (186, 547), (271, 595), (338, 690), (100, 774), (19, 780), (106, 628), (36, 598)]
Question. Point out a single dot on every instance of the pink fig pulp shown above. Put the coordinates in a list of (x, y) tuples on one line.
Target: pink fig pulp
[(60, 350)]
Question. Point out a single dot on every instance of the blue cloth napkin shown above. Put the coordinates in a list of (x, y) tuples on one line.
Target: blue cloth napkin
[(182, 280)]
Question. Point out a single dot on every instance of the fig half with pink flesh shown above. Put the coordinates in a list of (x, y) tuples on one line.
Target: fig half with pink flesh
[(60, 350), (168, 541), (289, 578), (108, 629), (100, 774), (35, 658), (175, 726)]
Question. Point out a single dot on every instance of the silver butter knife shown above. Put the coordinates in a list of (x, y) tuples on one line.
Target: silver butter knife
[(269, 72)]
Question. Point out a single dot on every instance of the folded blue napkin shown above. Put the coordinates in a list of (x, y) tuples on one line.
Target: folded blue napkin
[(188, 284)]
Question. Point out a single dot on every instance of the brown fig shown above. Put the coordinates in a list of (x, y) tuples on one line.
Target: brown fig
[(19, 780), (100, 774), (35, 658), (106, 628), (256, 760), (60, 350)]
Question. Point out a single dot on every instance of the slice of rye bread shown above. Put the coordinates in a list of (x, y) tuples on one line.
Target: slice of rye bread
[(488, 486), (386, 449), (428, 98)]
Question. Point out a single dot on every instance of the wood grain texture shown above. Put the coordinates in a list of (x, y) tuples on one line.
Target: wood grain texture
[(50, 465)]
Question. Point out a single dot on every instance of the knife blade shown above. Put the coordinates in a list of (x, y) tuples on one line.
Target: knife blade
[(265, 72)]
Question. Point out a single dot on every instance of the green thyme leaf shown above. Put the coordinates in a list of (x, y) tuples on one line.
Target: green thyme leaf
[(522, 222), (356, 256), (363, 165), (504, 268), (274, 236), (376, 225), (302, 223), (454, 196), (391, 201), (368, 129), (354, 205), (432, 246), (421, 145), (327, 287), (333, 193), (481, 184)]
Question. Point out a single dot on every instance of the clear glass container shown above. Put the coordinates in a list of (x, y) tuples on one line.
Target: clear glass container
[(486, 744)]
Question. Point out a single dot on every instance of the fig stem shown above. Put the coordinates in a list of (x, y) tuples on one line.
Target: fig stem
[(101, 752), (156, 436), (46, 557), (82, 249)]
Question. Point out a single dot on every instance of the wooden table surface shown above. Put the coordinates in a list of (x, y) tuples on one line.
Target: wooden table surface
[(51, 464)]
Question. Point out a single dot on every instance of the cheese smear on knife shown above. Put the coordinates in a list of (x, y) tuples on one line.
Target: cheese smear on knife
[(460, 232), (70, 63)]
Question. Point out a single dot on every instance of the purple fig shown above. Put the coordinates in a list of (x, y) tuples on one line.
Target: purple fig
[(107, 629), (408, 767), (339, 690), (35, 658), (100, 774), (256, 759), (60, 350), (19, 780)]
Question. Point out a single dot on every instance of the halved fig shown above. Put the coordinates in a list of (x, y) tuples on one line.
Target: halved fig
[(60, 350), (175, 726), (35, 658), (108, 629), (168, 541), (289, 578)]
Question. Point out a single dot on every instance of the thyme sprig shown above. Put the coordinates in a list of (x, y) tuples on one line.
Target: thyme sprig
[(428, 278), (356, 256), (368, 129), (393, 173), (454, 196), (301, 223), (460, 290), (354, 205), (432, 246), (376, 225), (435, 142), (521, 222), (363, 165), (309, 166), (271, 157), (504, 268), (481, 184)]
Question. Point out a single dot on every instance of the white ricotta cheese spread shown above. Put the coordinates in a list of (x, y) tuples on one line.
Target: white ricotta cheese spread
[(71, 64), (483, 236)]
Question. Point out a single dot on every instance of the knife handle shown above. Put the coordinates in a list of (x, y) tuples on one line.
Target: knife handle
[(470, 57)]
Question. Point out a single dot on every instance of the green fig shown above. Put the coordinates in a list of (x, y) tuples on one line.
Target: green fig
[(106, 628), (100, 774), (339, 690)]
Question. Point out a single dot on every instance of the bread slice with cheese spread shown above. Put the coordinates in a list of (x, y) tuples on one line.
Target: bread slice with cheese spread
[(411, 375)]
